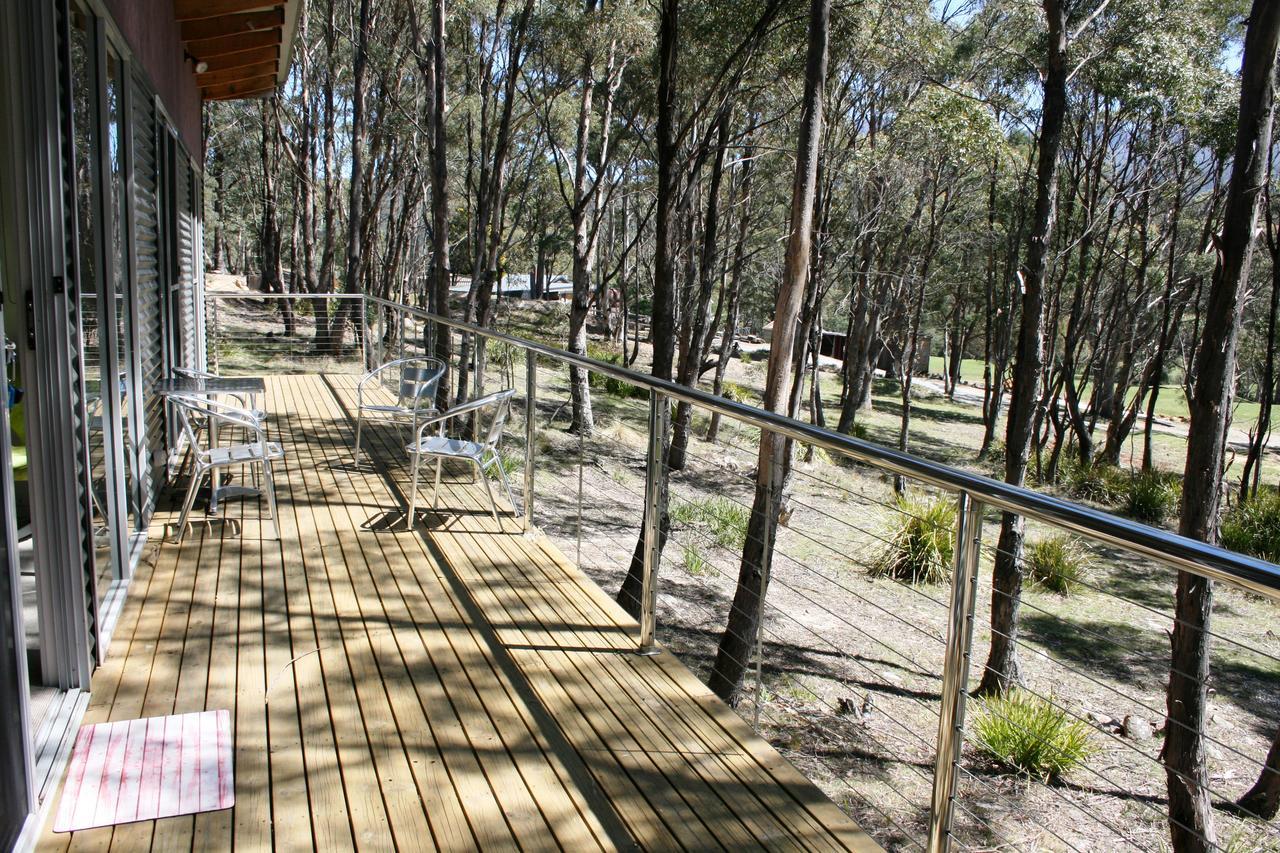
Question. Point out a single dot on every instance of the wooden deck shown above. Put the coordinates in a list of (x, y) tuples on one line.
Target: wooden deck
[(458, 686)]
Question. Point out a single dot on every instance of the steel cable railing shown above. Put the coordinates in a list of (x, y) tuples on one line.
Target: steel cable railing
[(832, 631)]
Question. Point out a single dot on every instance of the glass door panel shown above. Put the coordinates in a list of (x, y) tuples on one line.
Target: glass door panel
[(123, 337), (85, 123)]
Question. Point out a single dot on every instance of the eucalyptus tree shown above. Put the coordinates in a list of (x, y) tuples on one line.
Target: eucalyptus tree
[(600, 41), (746, 612), (1190, 809), (1002, 669), (683, 139)]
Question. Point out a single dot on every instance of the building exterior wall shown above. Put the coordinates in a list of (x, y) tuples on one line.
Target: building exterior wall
[(99, 206), (155, 39)]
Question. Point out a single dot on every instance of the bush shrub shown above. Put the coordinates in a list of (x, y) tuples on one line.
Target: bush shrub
[(921, 548), (1253, 527), (1153, 496), (1056, 564), (1030, 735)]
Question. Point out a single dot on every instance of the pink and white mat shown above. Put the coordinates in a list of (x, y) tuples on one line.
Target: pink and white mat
[(146, 769)]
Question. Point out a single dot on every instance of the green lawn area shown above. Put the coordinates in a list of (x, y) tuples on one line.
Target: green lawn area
[(1171, 404)]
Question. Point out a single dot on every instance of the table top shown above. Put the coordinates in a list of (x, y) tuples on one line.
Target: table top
[(213, 385)]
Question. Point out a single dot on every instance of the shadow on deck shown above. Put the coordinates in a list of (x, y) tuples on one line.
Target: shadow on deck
[(460, 685)]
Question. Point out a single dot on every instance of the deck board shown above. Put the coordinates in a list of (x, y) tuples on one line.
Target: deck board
[(460, 685)]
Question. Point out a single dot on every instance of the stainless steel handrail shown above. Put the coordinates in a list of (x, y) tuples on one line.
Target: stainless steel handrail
[(258, 294), (1172, 549)]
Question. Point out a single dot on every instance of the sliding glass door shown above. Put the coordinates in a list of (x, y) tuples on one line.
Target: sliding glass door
[(99, 86)]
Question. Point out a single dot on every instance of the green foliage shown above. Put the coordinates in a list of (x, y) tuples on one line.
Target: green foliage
[(1253, 527), (1153, 496), (921, 548), (610, 385), (1100, 483), (1030, 735), (1056, 564), (508, 463), (735, 392), (694, 563), (724, 520)]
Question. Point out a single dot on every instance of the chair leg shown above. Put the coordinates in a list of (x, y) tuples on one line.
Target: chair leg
[(196, 476), (488, 490), (413, 492), (359, 425), (269, 480), (435, 491), (511, 498)]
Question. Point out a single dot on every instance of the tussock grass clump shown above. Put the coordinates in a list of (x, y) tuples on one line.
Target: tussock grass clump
[(735, 392), (1253, 527), (724, 520), (1030, 735), (1056, 563), (1153, 496), (694, 562), (510, 464), (922, 546), (608, 384), (859, 430), (1100, 483)]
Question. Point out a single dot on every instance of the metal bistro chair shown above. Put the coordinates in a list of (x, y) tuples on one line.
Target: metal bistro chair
[(482, 454), (417, 382), (207, 460)]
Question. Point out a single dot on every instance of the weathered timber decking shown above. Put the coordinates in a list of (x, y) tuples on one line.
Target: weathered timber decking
[(458, 686)]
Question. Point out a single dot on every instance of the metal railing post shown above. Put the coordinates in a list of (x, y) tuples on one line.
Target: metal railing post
[(369, 335), (766, 569), (530, 431), (955, 670), (400, 333), (659, 414)]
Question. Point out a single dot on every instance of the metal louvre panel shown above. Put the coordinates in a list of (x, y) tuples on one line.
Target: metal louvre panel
[(185, 285), (149, 328)]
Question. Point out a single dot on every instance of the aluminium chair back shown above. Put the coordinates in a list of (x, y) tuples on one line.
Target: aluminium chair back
[(419, 380), (501, 402)]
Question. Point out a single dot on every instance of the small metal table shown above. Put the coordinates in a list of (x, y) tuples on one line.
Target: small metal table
[(211, 386), (215, 386)]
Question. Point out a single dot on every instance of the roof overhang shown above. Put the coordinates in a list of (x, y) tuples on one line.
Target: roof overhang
[(240, 48)]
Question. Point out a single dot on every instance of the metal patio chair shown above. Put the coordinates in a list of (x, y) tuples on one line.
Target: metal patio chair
[(416, 380), (208, 460), (482, 454)]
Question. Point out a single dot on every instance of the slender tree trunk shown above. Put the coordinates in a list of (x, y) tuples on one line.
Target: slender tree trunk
[(583, 246), (745, 614), (663, 325), (1002, 671), (735, 288), (1190, 809), (1250, 477), (1263, 799), (691, 363)]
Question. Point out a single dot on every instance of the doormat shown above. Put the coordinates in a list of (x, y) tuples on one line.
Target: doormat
[(146, 769)]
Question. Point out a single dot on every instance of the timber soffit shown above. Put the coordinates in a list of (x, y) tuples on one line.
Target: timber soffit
[(242, 48)]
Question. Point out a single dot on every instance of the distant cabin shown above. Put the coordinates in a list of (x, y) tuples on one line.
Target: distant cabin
[(888, 354), (518, 286)]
